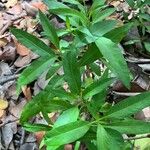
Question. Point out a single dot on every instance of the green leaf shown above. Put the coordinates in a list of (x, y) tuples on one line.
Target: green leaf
[(55, 105), (130, 126), (36, 127), (96, 87), (81, 39), (62, 94), (95, 69), (110, 52), (90, 55), (117, 34), (77, 145), (67, 133), (108, 139), (75, 2), (90, 145), (70, 12), (100, 28), (147, 46), (68, 116), (146, 2), (131, 3), (103, 14), (97, 3), (129, 106), (49, 29), (43, 102), (56, 81), (72, 72), (32, 42), (144, 16), (36, 105), (53, 70), (34, 71), (53, 4)]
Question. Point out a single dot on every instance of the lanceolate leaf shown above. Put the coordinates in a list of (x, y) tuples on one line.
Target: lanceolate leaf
[(96, 4), (36, 127), (67, 133), (117, 34), (70, 12), (32, 42), (90, 55), (54, 105), (131, 3), (96, 87), (34, 70), (72, 72), (108, 139), (43, 102), (129, 106), (130, 126), (100, 28), (68, 116), (116, 62), (103, 14), (49, 29), (53, 4), (36, 105), (74, 2)]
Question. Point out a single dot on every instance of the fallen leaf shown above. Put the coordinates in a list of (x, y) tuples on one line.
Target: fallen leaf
[(9, 52), (3, 42), (15, 10), (11, 3), (7, 133), (2, 113), (27, 92), (68, 147), (144, 114), (39, 136), (39, 5), (16, 110), (22, 61), (4, 69), (3, 104), (31, 11), (21, 49)]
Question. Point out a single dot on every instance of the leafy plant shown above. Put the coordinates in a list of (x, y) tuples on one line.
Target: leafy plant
[(84, 117)]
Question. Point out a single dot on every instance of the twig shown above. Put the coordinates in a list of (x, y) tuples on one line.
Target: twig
[(5, 27), (5, 79), (126, 93), (22, 137), (7, 122), (137, 137)]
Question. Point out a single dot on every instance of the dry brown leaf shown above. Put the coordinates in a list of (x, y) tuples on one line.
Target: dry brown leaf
[(68, 147), (21, 49), (11, 3), (16, 110), (9, 52), (2, 112), (3, 42), (16, 10), (39, 136), (39, 5), (23, 61), (3, 104), (27, 92), (30, 24)]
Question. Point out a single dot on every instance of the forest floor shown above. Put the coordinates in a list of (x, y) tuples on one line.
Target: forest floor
[(14, 57)]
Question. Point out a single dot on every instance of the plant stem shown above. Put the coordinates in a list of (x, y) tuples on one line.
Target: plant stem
[(137, 137)]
